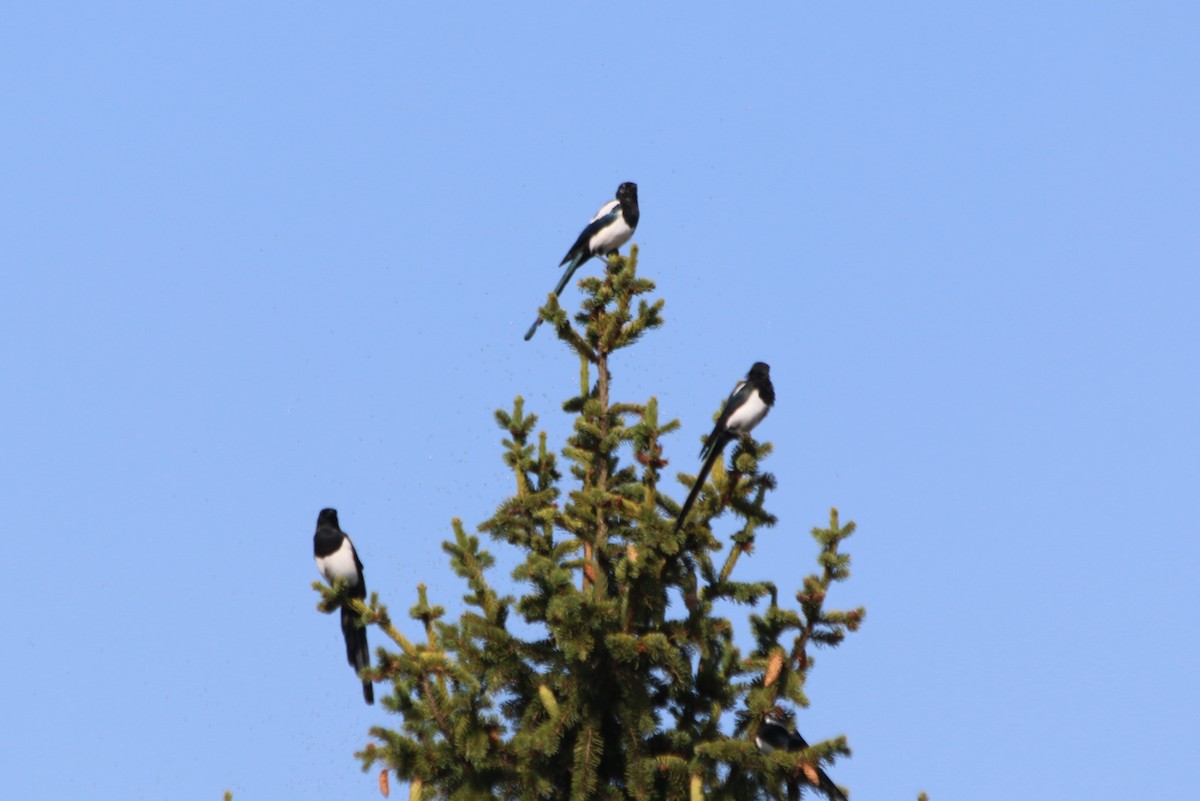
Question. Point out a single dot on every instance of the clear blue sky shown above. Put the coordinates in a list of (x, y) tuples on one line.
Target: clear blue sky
[(261, 259)]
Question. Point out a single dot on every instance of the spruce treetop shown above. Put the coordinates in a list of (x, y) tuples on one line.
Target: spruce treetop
[(613, 674)]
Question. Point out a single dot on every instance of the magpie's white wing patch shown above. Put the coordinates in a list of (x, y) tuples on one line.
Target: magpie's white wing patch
[(605, 209)]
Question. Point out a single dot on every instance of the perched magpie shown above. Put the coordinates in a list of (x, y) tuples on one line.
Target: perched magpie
[(612, 227), (749, 403), (776, 734), (337, 559)]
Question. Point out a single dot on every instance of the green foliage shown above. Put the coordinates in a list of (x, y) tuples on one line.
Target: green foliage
[(613, 675)]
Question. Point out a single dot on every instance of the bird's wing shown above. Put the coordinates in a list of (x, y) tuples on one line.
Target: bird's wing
[(580, 251), (736, 398), (610, 210), (360, 587), (608, 213), (748, 413), (714, 443)]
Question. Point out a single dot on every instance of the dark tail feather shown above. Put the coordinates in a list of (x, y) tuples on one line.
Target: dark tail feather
[(562, 284), (358, 653), (829, 788), (571, 268), (713, 455)]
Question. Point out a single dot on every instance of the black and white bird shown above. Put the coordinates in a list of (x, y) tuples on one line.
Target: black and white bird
[(612, 227), (337, 560), (747, 405), (776, 734)]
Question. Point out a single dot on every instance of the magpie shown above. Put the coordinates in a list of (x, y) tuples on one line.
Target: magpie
[(748, 404), (612, 227), (776, 734), (337, 559)]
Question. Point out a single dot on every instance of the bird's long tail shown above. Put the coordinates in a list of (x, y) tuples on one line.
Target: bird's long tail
[(714, 454), (533, 329), (574, 265), (358, 653), (826, 784), (829, 788)]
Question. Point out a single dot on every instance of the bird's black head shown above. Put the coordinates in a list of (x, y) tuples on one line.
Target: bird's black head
[(328, 517), (776, 716), (627, 192), (761, 369)]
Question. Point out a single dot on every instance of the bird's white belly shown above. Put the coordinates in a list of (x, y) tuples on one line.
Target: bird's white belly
[(748, 415), (611, 237), (339, 565)]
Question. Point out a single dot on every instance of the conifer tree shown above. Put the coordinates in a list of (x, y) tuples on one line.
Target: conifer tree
[(614, 674)]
